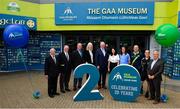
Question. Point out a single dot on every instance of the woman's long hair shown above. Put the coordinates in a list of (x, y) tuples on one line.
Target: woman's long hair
[(112, 53), (87, 47), (121, 50)]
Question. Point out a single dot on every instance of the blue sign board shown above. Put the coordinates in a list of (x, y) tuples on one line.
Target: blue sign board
[(105, 13), (29, 22), (124, 83)]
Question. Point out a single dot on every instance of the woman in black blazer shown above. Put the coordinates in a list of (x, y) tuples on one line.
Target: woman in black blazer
[(89, 55)]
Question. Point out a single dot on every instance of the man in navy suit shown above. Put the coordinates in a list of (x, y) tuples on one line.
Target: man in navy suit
[(101, 59)]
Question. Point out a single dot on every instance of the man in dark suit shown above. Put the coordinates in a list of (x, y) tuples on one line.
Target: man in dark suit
[(51, 70), (65, 64), (102, 63), (77, 59), (155, 70)]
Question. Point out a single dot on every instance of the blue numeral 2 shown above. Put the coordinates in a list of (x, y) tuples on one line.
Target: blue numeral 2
[(86, 92)]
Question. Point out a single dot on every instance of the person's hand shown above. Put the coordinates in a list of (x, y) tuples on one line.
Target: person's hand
[(152, 77), (108, 69), (98, 67), (46, 76), (149, 76)]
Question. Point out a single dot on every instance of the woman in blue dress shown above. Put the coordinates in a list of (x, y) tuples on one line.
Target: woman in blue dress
[(124, 57)]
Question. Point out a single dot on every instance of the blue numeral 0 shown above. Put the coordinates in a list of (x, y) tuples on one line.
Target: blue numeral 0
[(86, 92)]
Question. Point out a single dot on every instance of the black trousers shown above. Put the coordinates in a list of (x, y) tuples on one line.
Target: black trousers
[(87, 76), (155, 89), (52, 85), (61, 81), (102, 77), (77, 81), (67, 76)]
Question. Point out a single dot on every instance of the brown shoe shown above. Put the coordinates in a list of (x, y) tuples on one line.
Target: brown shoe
[(74, 89), (63, 91), (104, 87), (150, 98), (99, 87)]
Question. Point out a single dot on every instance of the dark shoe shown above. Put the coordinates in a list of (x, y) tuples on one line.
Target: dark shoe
[(104, 87), (51, 96), (62, 91), (74, 89), (147, 95), (56, 94), (79, 87), (150, 98), (99, 87), (156, 102), (68, 90)]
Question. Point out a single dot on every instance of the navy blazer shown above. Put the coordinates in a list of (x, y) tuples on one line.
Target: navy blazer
[(51, 68), (77, 59), (100, 59)]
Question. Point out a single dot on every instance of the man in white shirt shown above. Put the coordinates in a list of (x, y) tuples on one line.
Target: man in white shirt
[(51, 70), (101, 59), (155, 70), (65, 65)]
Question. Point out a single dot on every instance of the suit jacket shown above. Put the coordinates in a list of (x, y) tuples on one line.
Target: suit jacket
[(137, 62), (101, 60), (157, 69), (65, 64), (50, 67), (77, 59), (87, 57)]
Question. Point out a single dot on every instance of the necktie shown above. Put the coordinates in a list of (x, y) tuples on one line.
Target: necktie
[(54, 58), (103, 52), (91, 55), (67, 56), (80, 53), (153, 63)]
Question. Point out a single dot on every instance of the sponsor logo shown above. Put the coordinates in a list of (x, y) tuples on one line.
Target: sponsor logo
[(15, 35), (13, 6), (161, 36), (30, 23), (68, 15), (117, 76), (68, 11), (126, 77)]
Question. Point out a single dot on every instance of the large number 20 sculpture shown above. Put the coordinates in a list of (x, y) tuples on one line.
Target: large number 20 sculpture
[(86, 92), (121, 76)]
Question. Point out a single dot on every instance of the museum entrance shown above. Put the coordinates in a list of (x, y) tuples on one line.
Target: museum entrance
[(115, 39)]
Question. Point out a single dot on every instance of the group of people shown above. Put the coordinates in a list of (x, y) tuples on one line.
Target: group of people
[(105, 60)]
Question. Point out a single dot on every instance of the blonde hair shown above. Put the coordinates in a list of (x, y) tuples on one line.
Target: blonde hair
[(88, 46)]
